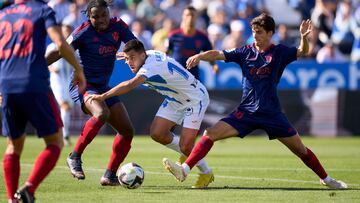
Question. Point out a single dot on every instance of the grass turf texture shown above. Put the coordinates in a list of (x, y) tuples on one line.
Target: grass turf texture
[(253, 169)]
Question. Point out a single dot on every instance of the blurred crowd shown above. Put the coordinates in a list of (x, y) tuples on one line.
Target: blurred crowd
[(336, 23)]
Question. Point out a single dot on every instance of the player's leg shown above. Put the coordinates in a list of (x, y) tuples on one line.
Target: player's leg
[(13, 126), (120, 121), (167, 117), (280, 128), (160, 131), (11, 165), (100, 114), (193, 117), (221, 130), (43, 165), (187, 140), (65, 108), (44, 115), (295, 144)]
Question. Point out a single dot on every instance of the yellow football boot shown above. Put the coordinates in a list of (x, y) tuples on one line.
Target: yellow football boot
[(204, 180)]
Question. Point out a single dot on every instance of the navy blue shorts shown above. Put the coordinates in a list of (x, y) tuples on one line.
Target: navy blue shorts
[(40, 109), (275, 125), (92, 89)]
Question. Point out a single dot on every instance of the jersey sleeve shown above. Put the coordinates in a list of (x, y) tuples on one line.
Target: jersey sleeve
[(234, 55), (74, 40), (49, 17), (289, 54), (126, 34)]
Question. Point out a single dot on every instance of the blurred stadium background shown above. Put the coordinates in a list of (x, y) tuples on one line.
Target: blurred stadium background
[(319, 93)]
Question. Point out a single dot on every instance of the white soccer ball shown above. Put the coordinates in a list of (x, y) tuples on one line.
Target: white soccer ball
[(131, 176)]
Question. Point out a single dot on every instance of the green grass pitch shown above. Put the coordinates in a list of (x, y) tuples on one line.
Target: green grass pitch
[(253, 169)]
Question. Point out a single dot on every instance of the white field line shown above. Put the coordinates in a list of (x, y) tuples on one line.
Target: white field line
[(217, 176)]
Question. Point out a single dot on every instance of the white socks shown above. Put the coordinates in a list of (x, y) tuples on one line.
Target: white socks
[(203, 167), (327, 179), (186, 168), (65, 117), (175, 145)]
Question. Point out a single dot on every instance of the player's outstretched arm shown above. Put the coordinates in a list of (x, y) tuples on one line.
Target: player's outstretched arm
[(119, 89), (211, 55), (52, 56), (305, 29), (68, 53)]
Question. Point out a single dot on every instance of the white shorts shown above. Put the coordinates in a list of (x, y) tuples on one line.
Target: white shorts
[(189, 116), (60, 88)]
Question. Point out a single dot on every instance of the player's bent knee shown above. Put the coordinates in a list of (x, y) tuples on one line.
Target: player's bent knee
[(186, 149), (102, 115), (160, 138), (127, 132), (212, 134), (55, 139)]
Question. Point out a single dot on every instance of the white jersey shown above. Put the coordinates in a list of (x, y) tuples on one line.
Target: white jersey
[(165, 75), (61, 79)]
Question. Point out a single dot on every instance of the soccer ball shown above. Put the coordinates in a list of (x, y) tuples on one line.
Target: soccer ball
[(131, 176)]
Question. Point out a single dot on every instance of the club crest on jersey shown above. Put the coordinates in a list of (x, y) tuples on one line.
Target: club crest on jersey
[(115, 36)]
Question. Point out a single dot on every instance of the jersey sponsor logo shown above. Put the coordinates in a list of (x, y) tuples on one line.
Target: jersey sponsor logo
[(104, 50), (260, 71), (115, 36)]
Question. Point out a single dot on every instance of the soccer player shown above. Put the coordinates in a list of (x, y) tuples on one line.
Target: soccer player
[(60, 79), (26, 92), (187, 41), (97, 42), (185, 103), (262, 65)]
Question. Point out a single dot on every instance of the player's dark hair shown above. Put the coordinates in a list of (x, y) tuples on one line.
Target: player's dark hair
[(135, 45), (96, 3), (265, 21)]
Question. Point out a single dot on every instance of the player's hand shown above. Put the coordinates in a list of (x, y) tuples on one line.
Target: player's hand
[(305, 27), (216, 68), (91, 97), (192, 61), (80, 81), (120, 55)]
